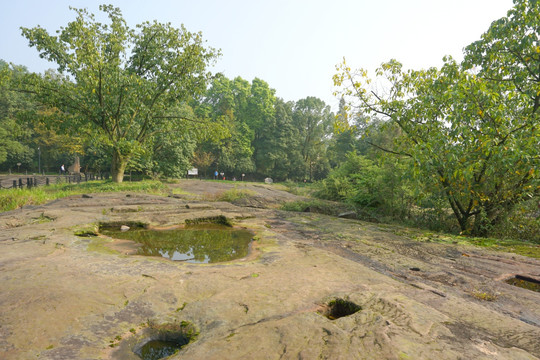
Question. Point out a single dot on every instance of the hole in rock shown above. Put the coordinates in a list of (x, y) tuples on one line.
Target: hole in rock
[(338, 308), (524, 282), (159, 349), (164, 341), (205, 243)]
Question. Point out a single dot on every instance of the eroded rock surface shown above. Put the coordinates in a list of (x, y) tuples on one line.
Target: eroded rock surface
[(68, 297)]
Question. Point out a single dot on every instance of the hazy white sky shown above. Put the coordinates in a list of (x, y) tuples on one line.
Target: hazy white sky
[(293, 45)]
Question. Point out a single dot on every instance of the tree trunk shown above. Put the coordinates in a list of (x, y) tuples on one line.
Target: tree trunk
[(118, 166), (491, 216)]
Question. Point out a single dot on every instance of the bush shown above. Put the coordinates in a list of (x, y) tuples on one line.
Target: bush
[(356, 181), (523, 223)]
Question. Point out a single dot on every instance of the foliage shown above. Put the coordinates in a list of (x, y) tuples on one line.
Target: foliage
[(469, 136), (13, 137), (523, 222), (313, 120), (264, 135), (355, 181), (123, 84), (300, 189), (224, 103)]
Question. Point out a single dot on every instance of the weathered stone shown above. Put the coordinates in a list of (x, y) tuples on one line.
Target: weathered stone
[(70, 297), (348, 215)]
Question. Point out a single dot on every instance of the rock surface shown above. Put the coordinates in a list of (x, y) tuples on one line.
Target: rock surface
[(69, 297)]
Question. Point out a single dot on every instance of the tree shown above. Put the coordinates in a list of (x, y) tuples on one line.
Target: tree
[(221, 103), (259, 115), (466, 135), (313, 120), (508, 54), (13, 147), (123, 84), (284, 154)]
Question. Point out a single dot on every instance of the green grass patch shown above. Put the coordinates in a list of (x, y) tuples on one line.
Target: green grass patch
[(300, 189), (316, 206), (147, 186), (11, 199), (520, 247), (98, 245), (235, 194), (179, 191), (484, 295)]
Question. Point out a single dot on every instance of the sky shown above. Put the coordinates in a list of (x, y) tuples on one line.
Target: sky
[(293, 45)]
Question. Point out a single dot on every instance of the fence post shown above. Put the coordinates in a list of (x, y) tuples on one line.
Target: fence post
[(35, 182), (20, 183), (14, 184), (28, 183), (47, 181)]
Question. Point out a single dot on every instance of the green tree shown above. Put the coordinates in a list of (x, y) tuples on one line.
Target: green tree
[(313, 119), (466, 136), (284, 152), (508, 54), (356, 181), (125, 84), (14, 136), (260, 117), (232, 152)]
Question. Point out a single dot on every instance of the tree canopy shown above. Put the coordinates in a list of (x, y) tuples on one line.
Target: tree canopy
[(449, 148), (471, 129), (125, 86)]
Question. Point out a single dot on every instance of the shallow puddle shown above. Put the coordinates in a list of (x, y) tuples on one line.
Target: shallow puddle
[(159, 349), (524, 282), (194, 244)]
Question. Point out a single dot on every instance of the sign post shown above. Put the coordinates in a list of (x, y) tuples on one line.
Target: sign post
[(193, 172)]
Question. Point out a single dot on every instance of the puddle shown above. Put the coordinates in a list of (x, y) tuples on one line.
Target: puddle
[(339, 308), (524, 282), (195, 244), (159, 349), (158, 342)]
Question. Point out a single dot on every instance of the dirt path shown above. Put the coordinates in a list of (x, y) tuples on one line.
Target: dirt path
[(68, 297)]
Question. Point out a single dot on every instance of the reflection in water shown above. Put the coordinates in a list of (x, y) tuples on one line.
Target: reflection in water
[(195, 244)]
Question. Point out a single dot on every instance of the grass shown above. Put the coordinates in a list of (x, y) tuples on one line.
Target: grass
[(316, 206), (300, 189), (520, 247), (235, 194), (484, 295), (11, 199), (229, 195)]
